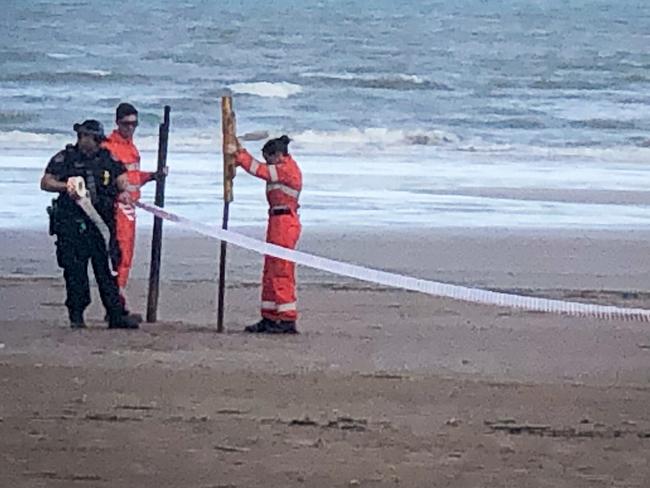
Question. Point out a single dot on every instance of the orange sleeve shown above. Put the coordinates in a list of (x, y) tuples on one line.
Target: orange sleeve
[(252, 166), (145, 177)]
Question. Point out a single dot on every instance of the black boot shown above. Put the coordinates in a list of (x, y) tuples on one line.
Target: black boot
[(121, 321), (259, 327), (267, 326), (136, 316), (76, 319), (284, 327)]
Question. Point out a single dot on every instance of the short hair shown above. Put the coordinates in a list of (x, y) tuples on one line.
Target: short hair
[(124, 109)]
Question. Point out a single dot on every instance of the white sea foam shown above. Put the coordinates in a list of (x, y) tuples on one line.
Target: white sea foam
[(375, 136), (266, 89), (16, 139), (375, 140), (59, 56), (101, 73), (366, 77)]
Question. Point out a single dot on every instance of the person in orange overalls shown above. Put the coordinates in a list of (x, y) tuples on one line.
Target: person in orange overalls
[(121, 146), (283, 185)]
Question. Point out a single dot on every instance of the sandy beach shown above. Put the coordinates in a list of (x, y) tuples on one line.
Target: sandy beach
[(496, 145), (382, 388)]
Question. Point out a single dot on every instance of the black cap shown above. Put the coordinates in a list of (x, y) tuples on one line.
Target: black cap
[(92, 127)]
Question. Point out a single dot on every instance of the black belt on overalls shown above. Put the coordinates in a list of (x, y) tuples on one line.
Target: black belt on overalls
[(279, 211)]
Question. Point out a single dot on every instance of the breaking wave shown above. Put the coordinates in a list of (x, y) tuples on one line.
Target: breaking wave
[(376, 136), (19, 139), (375, 140), (266, 89), (60, 55)]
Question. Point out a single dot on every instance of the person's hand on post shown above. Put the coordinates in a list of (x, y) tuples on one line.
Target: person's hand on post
[(233, 147), (159, 175)]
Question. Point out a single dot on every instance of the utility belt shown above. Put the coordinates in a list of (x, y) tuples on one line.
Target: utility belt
[(280, 210), (66, 219), (62, 222)]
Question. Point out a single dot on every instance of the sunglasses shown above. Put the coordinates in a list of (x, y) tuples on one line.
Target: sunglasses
[(128, 123)]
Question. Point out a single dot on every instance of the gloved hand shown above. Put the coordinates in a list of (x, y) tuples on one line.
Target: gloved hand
[(159, 175)]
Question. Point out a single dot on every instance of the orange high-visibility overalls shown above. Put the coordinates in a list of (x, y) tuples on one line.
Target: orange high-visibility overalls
[(125, 151), (283, 186)]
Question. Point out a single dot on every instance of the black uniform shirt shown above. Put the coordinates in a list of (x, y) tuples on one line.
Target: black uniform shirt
[(101, 168)]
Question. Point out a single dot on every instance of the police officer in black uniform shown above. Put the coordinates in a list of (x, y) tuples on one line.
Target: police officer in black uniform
[(78, 238)]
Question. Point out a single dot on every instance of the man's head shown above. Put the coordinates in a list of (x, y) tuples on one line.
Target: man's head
[(90, 134), (274, 149), (126, 118)]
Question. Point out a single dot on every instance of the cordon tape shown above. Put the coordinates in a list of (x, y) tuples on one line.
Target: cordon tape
[(473, 295), (87, 206)]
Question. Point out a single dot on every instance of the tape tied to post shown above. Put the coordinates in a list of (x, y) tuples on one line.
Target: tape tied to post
[(438, 289)]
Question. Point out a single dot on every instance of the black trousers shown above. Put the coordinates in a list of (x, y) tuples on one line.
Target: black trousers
[(74, 248)]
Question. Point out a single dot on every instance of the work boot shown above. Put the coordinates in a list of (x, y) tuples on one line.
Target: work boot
[(268, 326), (136, 316), (283, 327), (260, 327), (76, 319), (123, 322)]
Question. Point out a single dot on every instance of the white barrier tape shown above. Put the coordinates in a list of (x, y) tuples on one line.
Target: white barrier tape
[(455, 292), (87, 206)]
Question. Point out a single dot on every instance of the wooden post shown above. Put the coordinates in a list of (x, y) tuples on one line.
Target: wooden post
[(228, 135), (156, 237)]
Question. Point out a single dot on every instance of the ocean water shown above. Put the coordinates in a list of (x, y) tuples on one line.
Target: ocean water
[(506, 113)]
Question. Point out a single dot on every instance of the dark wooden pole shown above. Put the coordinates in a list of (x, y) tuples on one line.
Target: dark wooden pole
[(156, 237), (228, 135)]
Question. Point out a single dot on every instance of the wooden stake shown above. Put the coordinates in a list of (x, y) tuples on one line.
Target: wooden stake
[(156, 237), (228, 133)]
